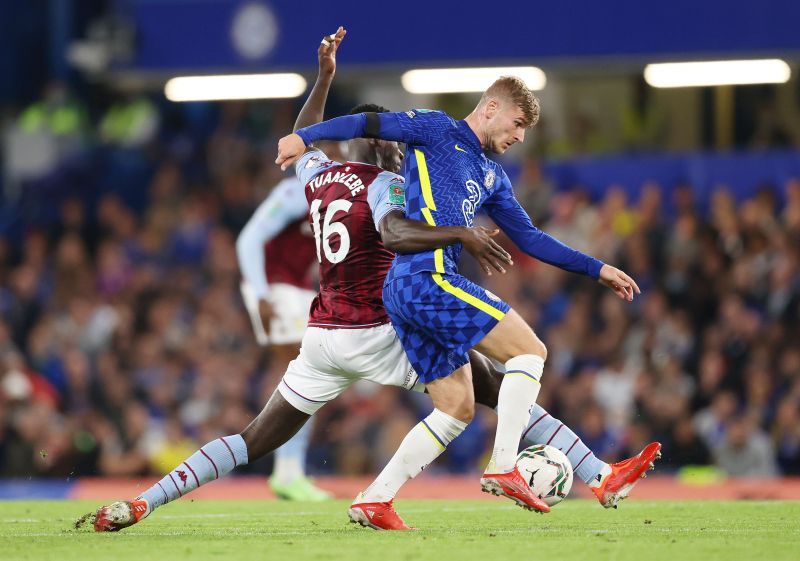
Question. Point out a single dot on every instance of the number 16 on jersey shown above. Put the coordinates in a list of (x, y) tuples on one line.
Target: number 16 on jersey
[(324, 231)]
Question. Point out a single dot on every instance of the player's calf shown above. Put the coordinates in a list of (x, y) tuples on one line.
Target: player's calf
[(518, 393), (213, 460), (513, 342), (422, 445), (454, 394)]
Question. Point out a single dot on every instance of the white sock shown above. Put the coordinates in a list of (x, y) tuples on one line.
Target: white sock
[(420, 447), (212, 461), (518, 394)]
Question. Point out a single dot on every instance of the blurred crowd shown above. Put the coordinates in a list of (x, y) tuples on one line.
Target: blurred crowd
[(124, 344), (706, 359)]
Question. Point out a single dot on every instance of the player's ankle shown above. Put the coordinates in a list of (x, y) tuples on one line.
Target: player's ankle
[(369, 496), (599, 478)]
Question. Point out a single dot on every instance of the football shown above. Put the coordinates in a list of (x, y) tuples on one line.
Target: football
[(548, 471)]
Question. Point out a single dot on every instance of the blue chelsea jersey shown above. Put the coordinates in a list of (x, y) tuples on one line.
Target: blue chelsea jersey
[(449, 179)]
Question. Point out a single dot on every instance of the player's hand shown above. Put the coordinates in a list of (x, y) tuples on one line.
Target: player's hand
[(622, 285), (489, 254), (327, 51), (266, 312), (290, 148)]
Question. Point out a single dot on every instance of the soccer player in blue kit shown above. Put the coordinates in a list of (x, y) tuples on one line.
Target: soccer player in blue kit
[(438, 314)]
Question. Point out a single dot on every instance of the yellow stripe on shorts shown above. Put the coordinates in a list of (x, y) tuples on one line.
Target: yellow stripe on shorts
[(467, 297)]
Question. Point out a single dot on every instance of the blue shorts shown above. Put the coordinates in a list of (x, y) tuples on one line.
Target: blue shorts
[(439, 317)]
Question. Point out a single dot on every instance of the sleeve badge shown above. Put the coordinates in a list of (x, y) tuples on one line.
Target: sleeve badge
[(397, 194)]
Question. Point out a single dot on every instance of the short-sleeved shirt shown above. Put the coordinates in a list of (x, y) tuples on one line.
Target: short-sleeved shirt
[(346, 203)]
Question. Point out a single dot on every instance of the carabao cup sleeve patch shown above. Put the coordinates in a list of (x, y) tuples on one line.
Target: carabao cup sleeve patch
[(397, 194)]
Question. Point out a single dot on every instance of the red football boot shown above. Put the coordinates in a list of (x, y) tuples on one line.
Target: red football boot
[(119, 515), (513, 486), (378, 516), (625, 475)]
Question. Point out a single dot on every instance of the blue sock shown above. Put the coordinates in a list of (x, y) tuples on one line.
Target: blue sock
[(290, 459), (543, 428), (212, 461)]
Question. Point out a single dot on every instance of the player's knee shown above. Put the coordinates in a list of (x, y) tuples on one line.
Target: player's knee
[(534, 346), (539, 348), (462, 409)]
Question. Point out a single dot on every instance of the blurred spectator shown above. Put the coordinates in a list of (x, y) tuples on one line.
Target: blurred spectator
[(533, 189), (786, 435), (746, 451), (595, 434), (45, 134), (712, 422), (130, 123), (684, 448)]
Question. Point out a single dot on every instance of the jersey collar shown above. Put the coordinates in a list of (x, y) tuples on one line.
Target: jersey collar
[(470, 138), (361, 164)]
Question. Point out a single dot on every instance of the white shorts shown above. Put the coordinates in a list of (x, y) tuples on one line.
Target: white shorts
[(291, 306), (331, 360)]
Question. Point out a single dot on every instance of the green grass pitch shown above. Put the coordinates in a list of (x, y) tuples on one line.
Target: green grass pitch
[(457, 530)]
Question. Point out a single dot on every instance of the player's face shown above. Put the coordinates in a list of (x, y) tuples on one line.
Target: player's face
[(505, 126), (390, 156)]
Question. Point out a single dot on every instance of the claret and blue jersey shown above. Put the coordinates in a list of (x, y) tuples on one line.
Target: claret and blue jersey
[(438, 314)]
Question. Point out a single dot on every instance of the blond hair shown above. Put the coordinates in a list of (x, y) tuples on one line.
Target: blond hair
[(514, 89)]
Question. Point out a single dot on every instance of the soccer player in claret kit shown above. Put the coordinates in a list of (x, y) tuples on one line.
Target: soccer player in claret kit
[(351, 338), (438, 314), (276, 252)]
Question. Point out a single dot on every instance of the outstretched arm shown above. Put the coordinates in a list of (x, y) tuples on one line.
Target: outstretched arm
[(507, 213), (412, 127), (403, 235), (291, 147), (314, 108)]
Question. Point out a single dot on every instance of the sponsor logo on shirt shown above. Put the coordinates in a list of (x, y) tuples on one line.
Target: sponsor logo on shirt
[(470, 205), (460, 149)]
